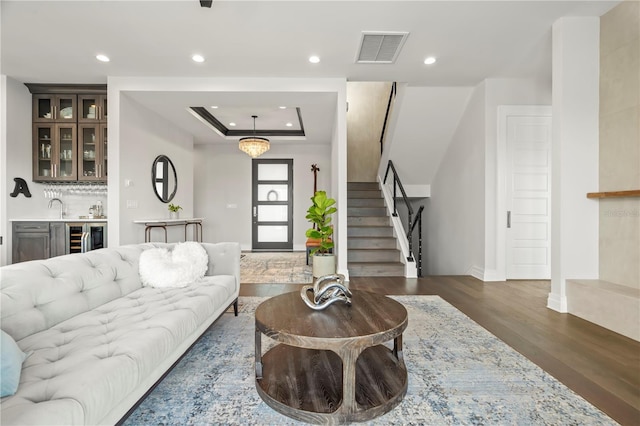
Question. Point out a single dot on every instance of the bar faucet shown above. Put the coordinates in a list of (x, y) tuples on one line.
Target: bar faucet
[(61, 205)]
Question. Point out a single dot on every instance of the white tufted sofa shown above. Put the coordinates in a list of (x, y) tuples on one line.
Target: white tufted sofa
[(98, 339)]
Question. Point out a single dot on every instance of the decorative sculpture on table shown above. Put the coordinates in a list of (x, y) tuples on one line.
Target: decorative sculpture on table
[(326, 290)]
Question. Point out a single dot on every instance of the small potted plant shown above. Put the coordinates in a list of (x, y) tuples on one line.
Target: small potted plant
[(319, 213), (174, 211)]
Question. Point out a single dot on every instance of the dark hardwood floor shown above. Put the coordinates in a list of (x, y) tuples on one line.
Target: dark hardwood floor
[(600, 365)]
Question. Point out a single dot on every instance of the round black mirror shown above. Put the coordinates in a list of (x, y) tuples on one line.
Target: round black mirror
[(164, 178)]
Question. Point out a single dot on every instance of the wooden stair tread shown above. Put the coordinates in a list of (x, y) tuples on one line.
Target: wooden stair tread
[(380, 255)]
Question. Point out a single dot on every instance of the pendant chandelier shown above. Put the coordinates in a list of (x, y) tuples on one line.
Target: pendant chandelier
[(254, 146)]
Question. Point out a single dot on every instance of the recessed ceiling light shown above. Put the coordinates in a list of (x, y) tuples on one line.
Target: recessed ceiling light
[(102, 58), (288, 124), (430, 60), (214, 106), (198, 58), (314, 59), (232, 124), (283, 107)]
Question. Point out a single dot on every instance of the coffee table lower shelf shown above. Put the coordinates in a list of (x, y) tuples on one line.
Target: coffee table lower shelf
[(307, 384)]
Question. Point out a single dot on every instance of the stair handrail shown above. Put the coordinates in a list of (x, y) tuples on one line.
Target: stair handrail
[(412, 220), (392, 96)]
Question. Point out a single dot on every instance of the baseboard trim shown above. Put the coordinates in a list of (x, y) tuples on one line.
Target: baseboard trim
[(557, 303), (344, 272), (489, 275), (476, 272)]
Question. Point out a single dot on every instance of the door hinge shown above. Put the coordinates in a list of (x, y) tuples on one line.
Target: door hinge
[(509, 219)]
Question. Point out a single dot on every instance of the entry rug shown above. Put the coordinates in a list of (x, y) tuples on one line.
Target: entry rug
[(459, 374), (271, 268)]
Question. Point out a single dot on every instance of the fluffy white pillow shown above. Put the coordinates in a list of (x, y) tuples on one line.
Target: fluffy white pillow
[(185, 264)]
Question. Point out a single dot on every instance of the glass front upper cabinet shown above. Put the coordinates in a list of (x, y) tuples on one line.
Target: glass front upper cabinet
[(92, 152), (66, 169), (92, 108), (54, 108), (43, 167), (55, 159)]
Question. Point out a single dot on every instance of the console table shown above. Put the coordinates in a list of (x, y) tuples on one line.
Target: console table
[(150, 224)]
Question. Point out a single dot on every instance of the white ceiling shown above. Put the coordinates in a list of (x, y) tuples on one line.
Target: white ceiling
[(56, 42)]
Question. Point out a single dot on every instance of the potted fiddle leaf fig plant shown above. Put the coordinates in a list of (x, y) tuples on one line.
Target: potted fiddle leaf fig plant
[(319, 237)]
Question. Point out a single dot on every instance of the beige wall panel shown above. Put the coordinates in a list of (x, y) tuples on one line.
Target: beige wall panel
[(620, 150), (367, 107), (620, 143)]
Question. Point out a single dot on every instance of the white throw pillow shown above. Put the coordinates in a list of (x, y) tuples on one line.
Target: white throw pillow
[(185, 264)]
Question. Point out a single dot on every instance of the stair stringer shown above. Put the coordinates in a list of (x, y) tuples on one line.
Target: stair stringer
[(410, 267)]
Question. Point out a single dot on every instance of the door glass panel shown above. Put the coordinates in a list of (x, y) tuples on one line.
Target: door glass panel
[(104, 109), (273, 234), (88, 140), (88, 108), (66, 108), (272, 183), (44, 151), (44, 108), (272, 213), (273, 192), (66, 152), (44, 141), (104, 151), (273, 172)]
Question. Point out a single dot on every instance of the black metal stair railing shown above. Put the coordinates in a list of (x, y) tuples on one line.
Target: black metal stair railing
[(412, 220), (392, 96)]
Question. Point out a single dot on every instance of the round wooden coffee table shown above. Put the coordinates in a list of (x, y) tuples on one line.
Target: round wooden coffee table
[(331, 366)]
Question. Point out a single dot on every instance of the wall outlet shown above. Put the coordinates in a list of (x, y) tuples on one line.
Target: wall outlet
[(132, 204)]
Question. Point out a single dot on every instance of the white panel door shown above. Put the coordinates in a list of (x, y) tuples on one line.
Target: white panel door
[(528, 197)]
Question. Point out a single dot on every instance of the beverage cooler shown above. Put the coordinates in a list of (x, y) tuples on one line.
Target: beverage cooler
[(82, 237)]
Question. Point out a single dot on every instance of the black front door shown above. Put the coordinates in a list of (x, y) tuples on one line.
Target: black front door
[(272, 203)]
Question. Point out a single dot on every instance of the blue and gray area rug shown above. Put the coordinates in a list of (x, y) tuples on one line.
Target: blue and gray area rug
[(459, 374)]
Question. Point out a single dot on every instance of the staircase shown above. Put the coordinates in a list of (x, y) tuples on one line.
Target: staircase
[(371, 246)]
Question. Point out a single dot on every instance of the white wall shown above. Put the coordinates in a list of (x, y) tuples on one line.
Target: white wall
[(575, 109), (4, 225), (143, 136), (427, 118), (223, 188), (462, 214), (454, 229), (339, 180), (19, 150), (3, 162)]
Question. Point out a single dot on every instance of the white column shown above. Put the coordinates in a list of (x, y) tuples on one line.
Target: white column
[(339, 180), (575, 106)]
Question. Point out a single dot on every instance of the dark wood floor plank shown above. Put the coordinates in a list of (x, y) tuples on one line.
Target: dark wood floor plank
[(598, 364)]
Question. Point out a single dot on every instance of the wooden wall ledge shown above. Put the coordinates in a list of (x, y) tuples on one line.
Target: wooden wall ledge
[(614, 194)]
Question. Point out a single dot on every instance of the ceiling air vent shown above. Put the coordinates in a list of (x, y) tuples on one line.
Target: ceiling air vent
[(378, 47)]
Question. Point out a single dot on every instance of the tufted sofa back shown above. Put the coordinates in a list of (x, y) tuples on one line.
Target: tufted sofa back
[(39, 294)]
